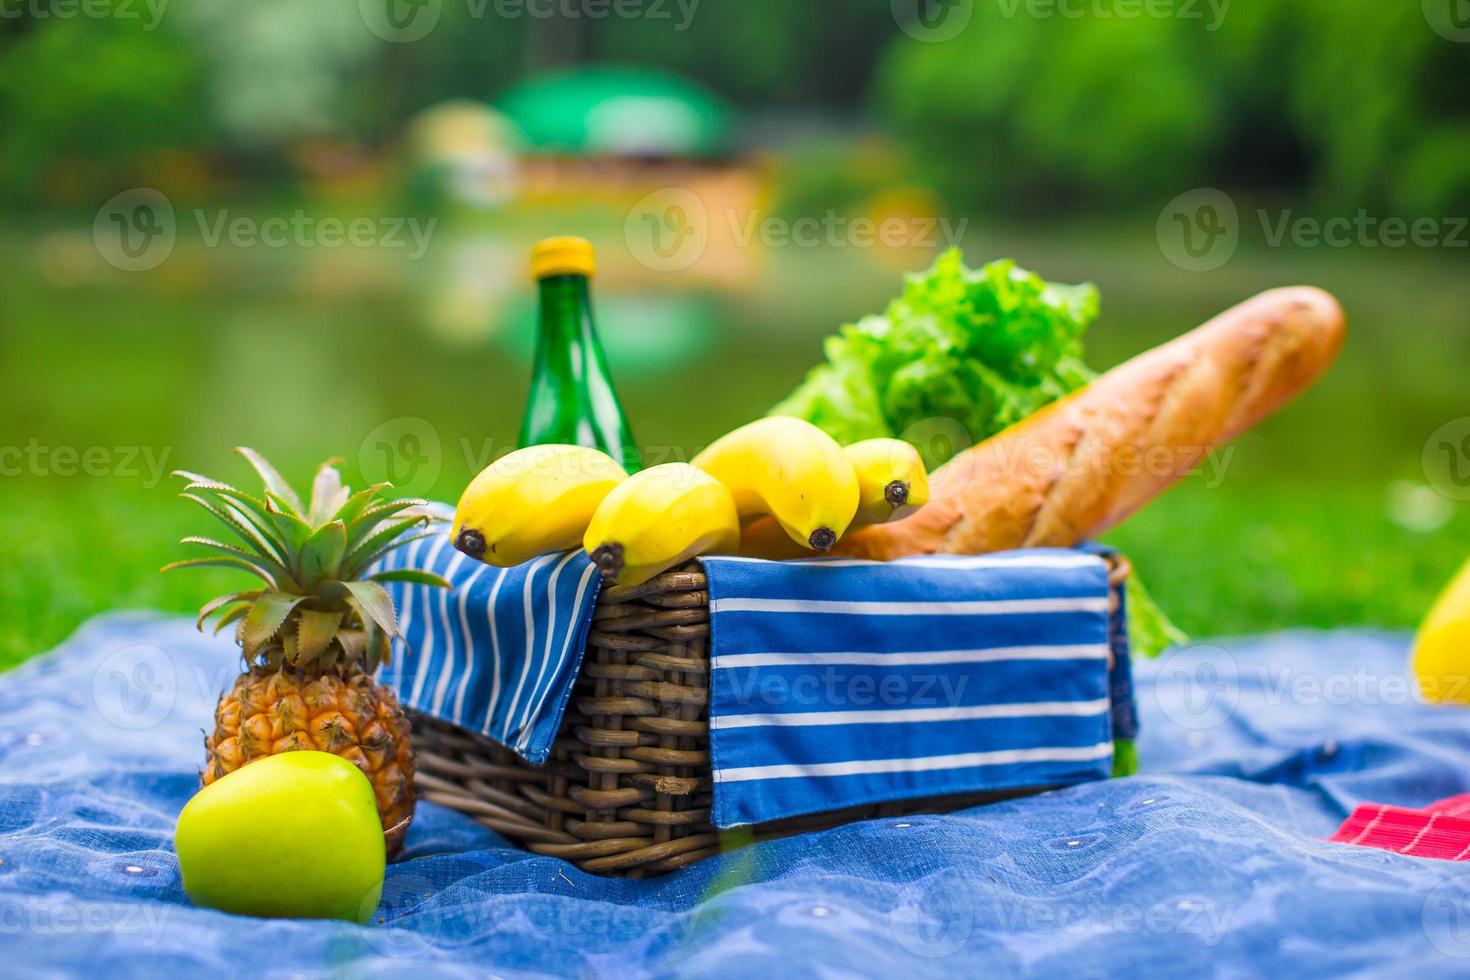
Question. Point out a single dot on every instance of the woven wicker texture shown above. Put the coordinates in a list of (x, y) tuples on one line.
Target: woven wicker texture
[(627, 791)]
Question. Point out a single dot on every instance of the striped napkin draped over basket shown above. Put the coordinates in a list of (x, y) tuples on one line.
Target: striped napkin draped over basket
[(635, 730)]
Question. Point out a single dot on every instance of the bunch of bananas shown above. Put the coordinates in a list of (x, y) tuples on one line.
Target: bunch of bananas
[(776, 488)]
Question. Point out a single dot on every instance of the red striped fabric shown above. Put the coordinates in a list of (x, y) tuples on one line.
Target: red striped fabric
[(1440, 830)]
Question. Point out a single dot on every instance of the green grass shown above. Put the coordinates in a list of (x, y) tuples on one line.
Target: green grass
[(309, 355)]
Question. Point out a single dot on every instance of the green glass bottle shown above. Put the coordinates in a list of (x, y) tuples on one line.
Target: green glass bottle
[(572, 398)]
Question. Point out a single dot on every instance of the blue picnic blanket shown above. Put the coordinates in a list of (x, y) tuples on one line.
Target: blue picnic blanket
[(1212, 860)]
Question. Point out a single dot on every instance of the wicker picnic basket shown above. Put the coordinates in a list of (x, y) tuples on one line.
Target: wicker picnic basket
[(628, 789)]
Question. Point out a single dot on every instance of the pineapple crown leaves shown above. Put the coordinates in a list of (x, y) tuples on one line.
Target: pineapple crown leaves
[(319, 604)]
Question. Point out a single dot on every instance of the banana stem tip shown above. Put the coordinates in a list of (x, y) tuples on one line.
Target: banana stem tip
[(471, 542), (896, 493), (609, 559), (822, 539)]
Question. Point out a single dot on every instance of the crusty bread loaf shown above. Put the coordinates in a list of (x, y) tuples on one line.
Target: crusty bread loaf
[(1083, 464)]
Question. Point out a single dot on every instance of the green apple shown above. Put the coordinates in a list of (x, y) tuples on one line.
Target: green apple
[(293, 835)]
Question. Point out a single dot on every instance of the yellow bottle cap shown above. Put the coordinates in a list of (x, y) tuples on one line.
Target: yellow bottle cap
[(565, 255)]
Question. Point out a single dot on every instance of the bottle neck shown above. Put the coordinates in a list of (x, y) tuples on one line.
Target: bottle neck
[(566, 309)]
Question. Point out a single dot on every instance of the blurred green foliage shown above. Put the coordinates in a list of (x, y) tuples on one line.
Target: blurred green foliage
[(83, 96), (1351, 100), (1358, 102)]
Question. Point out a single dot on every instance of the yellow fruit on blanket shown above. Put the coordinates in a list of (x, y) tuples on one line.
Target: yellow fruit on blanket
[(660, 518), (291, 836), (791, 470), (1441, 656), (533, 501)]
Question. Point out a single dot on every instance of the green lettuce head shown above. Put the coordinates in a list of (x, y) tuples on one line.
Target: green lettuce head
[(983, 348)]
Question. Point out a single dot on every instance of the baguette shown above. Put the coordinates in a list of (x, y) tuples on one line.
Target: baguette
[(1085, 463)]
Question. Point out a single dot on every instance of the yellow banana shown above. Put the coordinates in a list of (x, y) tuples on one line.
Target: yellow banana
[(791, 470), (658, 519), (892, 481), (892, 484), (535, 500)]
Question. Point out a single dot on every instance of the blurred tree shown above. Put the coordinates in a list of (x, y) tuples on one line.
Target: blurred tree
[(1023, 110), (81, 100), (1357, 101), (282, 69), (1385, 104)]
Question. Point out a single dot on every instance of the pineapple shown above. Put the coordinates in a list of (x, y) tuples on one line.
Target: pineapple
[(313, 634)]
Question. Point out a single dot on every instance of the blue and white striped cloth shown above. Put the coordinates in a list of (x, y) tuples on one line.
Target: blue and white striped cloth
[(841, 683), (498, 655), (833, 683)]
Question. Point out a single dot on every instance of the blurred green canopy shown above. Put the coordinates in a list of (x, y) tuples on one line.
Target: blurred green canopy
[(603, 110)]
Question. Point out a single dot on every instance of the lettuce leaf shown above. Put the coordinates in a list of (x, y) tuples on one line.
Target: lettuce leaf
[(983, 348), (960, 355)]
